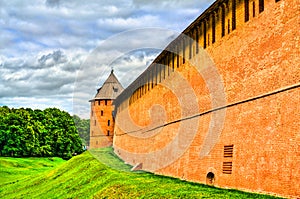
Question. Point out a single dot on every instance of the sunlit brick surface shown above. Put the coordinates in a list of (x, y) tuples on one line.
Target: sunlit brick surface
[(256, 62)]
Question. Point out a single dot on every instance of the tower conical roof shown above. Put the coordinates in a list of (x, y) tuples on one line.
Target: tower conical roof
[(110, 89)]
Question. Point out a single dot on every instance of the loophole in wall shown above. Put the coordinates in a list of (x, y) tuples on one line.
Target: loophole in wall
[(210, 178)]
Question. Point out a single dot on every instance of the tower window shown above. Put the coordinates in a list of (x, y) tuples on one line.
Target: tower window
[(115, 89), (253, 7), (108, 123), (108, 132), (246, 10), (99, 102), (261, 5), (105, 102), (102, 113)]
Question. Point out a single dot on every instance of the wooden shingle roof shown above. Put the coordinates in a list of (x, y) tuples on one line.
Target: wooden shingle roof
[(110, 89)]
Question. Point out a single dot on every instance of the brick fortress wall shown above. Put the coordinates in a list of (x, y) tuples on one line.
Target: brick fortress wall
[(101, 123), (171, 122)]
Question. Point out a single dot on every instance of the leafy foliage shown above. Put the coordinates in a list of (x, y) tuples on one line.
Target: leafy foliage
[(83, 127), (27, 132)]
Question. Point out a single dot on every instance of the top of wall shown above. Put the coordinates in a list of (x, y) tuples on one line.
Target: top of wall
[(135, 84)]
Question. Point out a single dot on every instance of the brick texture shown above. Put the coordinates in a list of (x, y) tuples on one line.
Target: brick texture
[(101, 134), (167, 128)]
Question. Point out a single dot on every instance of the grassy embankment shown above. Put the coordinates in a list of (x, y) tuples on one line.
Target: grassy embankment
[(84, 176)]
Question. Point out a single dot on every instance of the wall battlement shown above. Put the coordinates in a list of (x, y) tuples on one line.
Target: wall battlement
[(207, 31)]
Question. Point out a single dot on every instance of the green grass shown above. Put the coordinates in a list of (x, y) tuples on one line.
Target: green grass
[(110, 159), (84, 176), (14, 169)]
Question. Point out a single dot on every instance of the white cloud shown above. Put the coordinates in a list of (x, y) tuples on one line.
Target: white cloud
[(61, 102), (121, 24), (48, 48)]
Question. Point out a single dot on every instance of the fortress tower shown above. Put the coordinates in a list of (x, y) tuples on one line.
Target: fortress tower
[(101, 119)]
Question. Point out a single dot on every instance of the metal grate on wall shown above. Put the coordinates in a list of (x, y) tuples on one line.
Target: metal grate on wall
[(228, 154), (227, 167), (228, 151)]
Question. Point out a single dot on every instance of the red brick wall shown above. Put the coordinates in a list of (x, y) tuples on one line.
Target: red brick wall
[(99, 124), (257, 64)]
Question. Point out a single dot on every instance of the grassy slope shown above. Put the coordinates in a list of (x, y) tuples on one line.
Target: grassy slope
[(14, 169), (85, 177)]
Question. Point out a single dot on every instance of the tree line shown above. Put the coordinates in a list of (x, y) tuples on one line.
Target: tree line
[(37, 133), (83, 127)]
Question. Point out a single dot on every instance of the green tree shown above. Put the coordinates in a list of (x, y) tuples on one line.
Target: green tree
[(24, 132), (83, 127)]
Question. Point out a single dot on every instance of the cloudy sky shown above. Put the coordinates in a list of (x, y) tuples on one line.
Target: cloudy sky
[(56, 53)]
